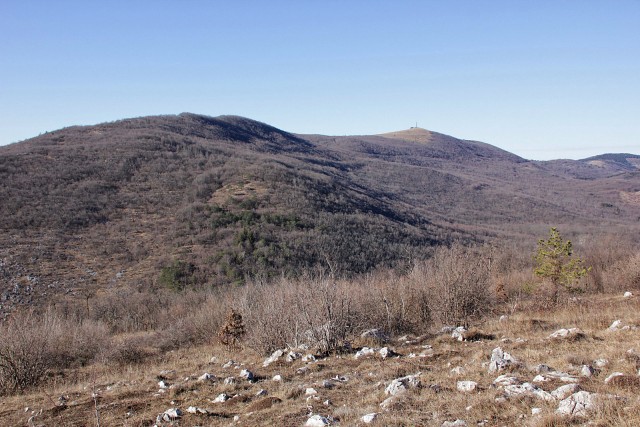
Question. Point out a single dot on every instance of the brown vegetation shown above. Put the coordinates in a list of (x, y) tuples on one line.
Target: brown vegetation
[(191, 201)]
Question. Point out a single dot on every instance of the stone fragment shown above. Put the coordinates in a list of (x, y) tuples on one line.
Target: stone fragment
[(567, 334), (527, 389), (206, 377), (400, 385), (197, 410), (458, 333), (500, 360), (578, 404), (587, 371), (612, 376), (365, 351), (386, 352), (505, 380), (171, 414), (229, 364), (617, 325), (247, 375), (317, 421), (222, 397), (565, 391), (369, 418), (292, 356), (275, 356), (466, 386)]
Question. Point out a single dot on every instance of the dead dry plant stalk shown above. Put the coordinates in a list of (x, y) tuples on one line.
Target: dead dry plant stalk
[(233, 330)]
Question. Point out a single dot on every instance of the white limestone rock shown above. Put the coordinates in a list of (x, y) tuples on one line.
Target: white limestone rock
[(369, 418), (500, 360), (317, 421), (618, 325), (307, 358), (505, 380), (386, 352), (197, 410), (458, 333), (527, 389), (400, 385), (247, 375), (222, 397), (275, 356), (466, 386), (565, 391), (612, 376), (365, 351), (207, 377), (555, 375), (292, 356), (587, 371), (171, 414), (578, 404), (566, 334)]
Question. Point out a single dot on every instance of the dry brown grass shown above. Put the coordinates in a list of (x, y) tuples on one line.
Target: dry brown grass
[(129, 394)]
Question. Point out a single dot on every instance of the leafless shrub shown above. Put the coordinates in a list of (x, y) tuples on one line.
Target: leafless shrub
[(326, 314), (269, 315), (25, 343), (624, 274), (458, 280), (129, 350), (77, 343)]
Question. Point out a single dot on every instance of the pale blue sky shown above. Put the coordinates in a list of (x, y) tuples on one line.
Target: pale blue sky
[(542, 79)]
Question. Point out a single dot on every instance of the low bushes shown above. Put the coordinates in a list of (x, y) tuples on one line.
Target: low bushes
[(456, 286)]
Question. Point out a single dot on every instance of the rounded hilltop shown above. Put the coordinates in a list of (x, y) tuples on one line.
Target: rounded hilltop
[(414, 134)]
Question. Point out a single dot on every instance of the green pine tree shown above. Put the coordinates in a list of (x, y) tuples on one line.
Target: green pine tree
[(555, 262)]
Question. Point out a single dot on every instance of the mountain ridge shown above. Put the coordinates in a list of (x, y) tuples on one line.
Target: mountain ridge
[(189, 201)]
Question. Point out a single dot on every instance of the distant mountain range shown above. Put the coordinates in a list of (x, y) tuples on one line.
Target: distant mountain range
[(191, 201)]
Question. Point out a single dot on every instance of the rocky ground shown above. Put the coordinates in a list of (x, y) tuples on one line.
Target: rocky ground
[(576, 365)]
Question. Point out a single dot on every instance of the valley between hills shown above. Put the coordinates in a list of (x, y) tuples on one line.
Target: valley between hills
[(191, 201), (189, 270)]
